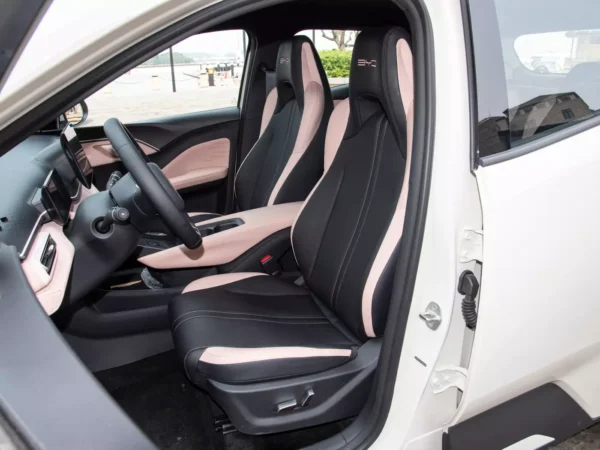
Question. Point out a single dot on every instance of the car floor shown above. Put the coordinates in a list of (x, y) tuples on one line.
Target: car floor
[(177, 415)]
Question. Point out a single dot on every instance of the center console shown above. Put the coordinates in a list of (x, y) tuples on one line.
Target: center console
[(224, 238), (155, 242)]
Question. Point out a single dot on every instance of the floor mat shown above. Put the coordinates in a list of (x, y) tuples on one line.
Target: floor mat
[(176, 415), (160, 400), (291, 440)]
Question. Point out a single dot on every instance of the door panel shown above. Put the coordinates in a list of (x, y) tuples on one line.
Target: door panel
[(197, 152), (539, 309), (101, 152)]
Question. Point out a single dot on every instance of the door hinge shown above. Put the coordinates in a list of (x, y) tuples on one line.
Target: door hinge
[(471, 245), (448, 376)]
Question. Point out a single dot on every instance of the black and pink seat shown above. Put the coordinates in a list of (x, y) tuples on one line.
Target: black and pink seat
[(287, 159), (276, 355)]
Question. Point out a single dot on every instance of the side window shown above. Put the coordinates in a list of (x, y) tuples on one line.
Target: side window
[(335, 50), (536, 75), (202, 72)]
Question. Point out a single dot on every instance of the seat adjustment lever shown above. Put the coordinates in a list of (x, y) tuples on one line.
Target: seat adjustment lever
[(288, 405)]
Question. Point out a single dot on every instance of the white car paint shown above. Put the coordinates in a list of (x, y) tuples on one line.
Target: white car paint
[(66, 28), (538, 318)]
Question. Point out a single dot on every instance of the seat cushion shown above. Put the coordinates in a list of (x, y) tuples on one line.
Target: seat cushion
[(253, 329)]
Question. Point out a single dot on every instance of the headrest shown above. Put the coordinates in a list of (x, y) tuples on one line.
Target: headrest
[(298, 64), (381, 78)]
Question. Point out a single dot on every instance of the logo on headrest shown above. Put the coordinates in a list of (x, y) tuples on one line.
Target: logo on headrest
[(367, 63), (284, 60)]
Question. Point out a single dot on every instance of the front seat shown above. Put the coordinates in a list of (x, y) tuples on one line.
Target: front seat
[(287, 159), (276, 355)]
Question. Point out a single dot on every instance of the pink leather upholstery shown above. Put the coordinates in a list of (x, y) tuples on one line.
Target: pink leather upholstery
[(231, 355)]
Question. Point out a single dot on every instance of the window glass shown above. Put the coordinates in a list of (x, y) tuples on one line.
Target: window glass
[(537, 65), (205, 74), (335, 50)]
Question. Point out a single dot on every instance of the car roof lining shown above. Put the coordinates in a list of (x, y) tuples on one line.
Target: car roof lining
[(286, 19)]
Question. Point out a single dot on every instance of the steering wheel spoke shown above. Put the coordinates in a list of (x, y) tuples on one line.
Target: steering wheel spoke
[(155, 186)]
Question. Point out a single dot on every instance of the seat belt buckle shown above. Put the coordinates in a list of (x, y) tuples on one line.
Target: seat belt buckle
[(270, 266)]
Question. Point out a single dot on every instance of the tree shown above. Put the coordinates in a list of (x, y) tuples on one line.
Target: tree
[(341, 37)]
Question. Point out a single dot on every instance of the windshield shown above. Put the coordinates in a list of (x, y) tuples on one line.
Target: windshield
[(67, 26)]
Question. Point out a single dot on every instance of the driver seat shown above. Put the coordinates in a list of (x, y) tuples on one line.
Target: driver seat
[(277, 355), (286, 161)]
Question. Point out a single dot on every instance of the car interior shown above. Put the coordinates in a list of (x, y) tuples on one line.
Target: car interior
[(227, 274)]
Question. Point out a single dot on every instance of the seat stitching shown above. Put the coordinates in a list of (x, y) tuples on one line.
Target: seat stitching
[(245, 314), (265, 294), (287, 322), (339, 185), (362, 217), (270, 136), (259, 319), (334, 298)]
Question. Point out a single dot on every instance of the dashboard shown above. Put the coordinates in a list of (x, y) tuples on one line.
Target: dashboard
[(42, 181)]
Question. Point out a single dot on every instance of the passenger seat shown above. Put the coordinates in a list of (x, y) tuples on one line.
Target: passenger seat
[(287, 159)]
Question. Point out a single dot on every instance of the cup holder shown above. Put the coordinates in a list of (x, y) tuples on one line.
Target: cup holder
[(217, 227), (225, 226), (206, 231)]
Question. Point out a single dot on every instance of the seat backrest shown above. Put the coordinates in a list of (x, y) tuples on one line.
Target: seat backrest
[(346, 236), (287, 159)]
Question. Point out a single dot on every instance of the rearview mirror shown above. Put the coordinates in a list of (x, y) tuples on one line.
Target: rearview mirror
[(77, 114)]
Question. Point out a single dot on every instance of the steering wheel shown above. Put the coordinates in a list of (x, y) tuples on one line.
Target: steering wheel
[(166, 200)]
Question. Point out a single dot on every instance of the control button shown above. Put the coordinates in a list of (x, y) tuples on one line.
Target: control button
[(306, 398), (122, 215), (286, 406), (48, 255)]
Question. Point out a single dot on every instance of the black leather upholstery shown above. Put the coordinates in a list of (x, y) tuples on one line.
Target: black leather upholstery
[(264, 164), (254, 312), (338, 233), (374, 82), (338, 238)]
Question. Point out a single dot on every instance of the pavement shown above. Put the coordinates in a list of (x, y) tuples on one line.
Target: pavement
[(147, 92), (142, 106), (586, 440)]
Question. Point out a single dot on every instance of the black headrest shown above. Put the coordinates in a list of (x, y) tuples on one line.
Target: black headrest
[(288, 71), (374, 79)]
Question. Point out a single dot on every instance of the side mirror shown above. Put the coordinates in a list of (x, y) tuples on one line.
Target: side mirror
[(77, 114)]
